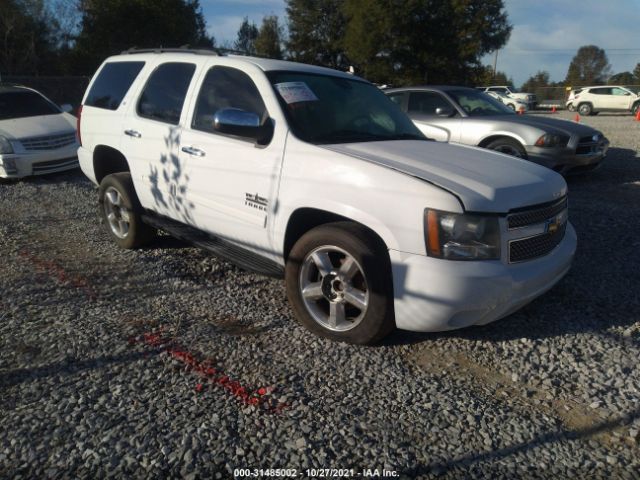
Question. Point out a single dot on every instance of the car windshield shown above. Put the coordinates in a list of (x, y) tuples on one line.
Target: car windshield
[(477, 104), (24, 104), (324, 109)]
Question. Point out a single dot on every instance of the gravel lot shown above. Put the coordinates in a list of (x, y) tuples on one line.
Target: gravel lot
[(553, 391)]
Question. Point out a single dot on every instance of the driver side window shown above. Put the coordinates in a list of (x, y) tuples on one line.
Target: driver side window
[(426, 103), (225, 87)]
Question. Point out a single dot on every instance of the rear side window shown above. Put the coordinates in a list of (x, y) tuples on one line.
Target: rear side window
[(163, 96), (112, 84), (600, 91)]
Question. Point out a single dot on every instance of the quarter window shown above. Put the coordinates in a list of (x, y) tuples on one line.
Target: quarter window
[(163, 96), (426, 103), (112, 84), (226, 87)]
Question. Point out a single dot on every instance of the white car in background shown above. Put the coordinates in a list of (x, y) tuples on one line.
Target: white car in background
[(529, 98), (605, 98), (515, 104), (36, 136)]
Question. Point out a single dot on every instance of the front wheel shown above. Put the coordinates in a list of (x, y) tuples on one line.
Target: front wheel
[(635, 108), (509, 146), (339, 284), (120, 210), (571, 108), (585, 109)]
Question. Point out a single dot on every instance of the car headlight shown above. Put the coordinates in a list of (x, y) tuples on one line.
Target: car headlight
[(455, 236), (5, 145), (552, 140)]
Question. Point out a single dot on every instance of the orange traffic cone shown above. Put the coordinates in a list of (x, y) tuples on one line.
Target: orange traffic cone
[(553, 109), (638, 115), (577, 119)]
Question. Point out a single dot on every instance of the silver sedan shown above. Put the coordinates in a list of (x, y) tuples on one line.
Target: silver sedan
[(467, 116)]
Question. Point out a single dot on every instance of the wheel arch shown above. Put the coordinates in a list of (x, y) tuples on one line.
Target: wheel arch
[(108, 160), (497, 136), (306, 218)]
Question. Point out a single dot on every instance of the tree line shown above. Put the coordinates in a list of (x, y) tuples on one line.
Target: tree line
[(397, 42), (386, 41)]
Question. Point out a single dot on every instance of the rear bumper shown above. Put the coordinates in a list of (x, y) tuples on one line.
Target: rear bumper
[(436, 295), (24, 165)]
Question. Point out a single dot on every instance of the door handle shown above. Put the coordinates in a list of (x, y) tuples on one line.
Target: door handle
[(133, 133), (196, 152)]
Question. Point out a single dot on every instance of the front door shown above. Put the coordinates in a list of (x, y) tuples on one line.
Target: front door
[(232, 184)]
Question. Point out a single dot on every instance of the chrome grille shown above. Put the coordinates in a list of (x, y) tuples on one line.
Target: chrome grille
[(49, 142), (534, 247), (534, 215)]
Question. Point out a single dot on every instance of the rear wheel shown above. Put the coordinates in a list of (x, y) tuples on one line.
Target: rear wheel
[(508, 146), (338, 281), (120, 210)]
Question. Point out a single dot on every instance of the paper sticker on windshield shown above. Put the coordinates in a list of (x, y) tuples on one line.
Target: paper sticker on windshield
[(294, 92)]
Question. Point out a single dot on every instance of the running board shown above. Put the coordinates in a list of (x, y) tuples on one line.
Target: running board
[(224, 249)]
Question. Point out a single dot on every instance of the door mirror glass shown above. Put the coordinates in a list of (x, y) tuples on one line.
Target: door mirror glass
[(444, 111)]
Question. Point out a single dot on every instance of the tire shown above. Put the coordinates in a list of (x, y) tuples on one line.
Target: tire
[(585, 109), (346, 275), (511, 106), (571, 108), (120, 209), (508, 146), (635, 108)]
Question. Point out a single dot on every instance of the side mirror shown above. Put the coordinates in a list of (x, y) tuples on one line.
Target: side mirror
[(444, 111), (233, 121), (66, 108)]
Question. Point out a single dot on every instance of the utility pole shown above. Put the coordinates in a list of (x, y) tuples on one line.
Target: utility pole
[(495, 65)]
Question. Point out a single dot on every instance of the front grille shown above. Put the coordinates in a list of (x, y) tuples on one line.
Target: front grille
[(534, 247), (44, 167), (50, 142), (534, 215), (588, 146)]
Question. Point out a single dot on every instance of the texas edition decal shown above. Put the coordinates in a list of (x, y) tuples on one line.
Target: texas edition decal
[(256, 201)]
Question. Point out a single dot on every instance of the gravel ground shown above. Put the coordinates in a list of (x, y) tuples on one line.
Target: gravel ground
[(550, 392)]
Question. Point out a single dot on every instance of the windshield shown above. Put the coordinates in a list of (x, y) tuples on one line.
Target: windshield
[(24, 104), (324, 109), (477, 104)]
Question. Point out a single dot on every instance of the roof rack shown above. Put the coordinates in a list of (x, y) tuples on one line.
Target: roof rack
[(185, 49)]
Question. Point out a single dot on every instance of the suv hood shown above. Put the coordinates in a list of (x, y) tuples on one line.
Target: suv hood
[(37, 126), (484, 181)]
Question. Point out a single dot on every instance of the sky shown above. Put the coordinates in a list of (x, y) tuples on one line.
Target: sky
[(546, 33)]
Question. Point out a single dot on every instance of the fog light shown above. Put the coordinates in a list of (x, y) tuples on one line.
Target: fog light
[(10, 165)]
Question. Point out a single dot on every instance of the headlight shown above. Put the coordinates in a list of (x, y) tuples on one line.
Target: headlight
[(552, 140), (455, 236), (5, 145)]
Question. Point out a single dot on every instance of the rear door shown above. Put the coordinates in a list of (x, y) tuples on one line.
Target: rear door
[(152, 136)]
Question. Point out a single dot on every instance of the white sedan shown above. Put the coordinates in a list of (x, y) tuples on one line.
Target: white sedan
[(36, 136), (511, 102)]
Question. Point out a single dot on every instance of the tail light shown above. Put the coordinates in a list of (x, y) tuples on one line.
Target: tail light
[(78, 125)]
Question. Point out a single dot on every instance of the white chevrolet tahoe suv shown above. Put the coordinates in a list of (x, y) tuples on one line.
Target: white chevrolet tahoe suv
[(314, 174)]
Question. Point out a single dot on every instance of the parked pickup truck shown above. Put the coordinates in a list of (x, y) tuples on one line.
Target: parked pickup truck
[(311, 173)]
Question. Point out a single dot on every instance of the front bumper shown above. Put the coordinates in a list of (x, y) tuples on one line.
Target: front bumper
[(569, 160), (24, 165), (433, 295)]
